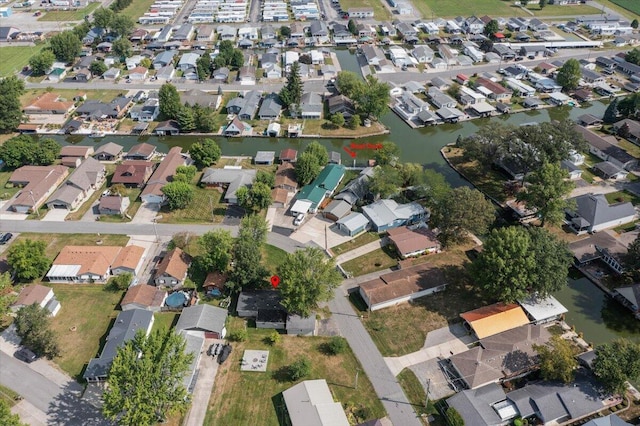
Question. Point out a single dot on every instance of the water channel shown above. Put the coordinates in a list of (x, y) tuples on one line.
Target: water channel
[(599, 318)]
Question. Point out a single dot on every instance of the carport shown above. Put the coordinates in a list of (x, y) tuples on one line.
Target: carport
[(301, 206)]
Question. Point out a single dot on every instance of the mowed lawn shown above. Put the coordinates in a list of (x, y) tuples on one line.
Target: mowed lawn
[(68, 15), (86, 315), (99, 95), (630, 5), (452, 8), (251, 398), (204, 208), (137, 8), (55, 242), (376, 260), (14, 58)]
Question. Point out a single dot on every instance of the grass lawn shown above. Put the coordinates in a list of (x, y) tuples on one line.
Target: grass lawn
[(137, 8), (134, 197), (626, 227), (55, 242), (272, 257), (380, 12), (447, 9), (631, 148), (8, 395), (389, 327), (490, 181), (164, 320), (417, 396), (82, 323), (100, 95), (632, 6), (6, 193), (200, 209), (376, 260), (359, 241), (317, 127), (249, 398), (622, 196), (558, 10), (69, 15), (14, 58)]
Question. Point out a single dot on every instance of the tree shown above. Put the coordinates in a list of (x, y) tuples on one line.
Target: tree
[(6, 417), (179, 194), (216, 247), (388, 153), (145, 382), (237, 58), (553, 260), (633, 56), (274, 338), (7, 296), (546, 193), (254, 199), (486, 45), (631, 260), (189, 172), (205, 152), (569, 74), (285, 31), (346, 82), (615, 363), (186, 119), (102, 17), (248, 271), (292, 91), (611, 113), (491, 28), (205, 119), (385, 182), (337, 345), (122, 47), (122, 25), (337, 119), (203, 66), (41, 62), (24, 150), (27, 259), (33, 326), (169, 99), (634, 24), (433, 187), (319, 152), (307, 168), (66, 46), (10, 108), (307, 278), (121, 282), (353, 28), (464, 210), (372, 97), (629, 107), (624, 131), (97, 68), (299, 369), (542, 4), (354, 122), (556, 360), (146, 62), (266, 177)]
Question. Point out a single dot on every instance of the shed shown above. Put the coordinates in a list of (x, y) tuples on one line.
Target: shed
[(264, 157), (543, 310), (353, 224), (207, 319), (301, 326), (494, 319), (336, 210)]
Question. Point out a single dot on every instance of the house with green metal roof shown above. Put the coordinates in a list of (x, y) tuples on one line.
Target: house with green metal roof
[(311, 193), (330, 177)]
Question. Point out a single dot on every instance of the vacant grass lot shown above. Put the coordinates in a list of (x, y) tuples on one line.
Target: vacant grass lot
[(55, 242), (389, 327), (100, 95), (490, 181), (558, 10), (448, 9), (250, 398), (380, 12), (377, 260), (622, 197), (87, 312), (6, 193), (323, 128), (68, 15), (14, 58), (630, 5), (137, 8), (205, 206), (272, 257), (359, 241)]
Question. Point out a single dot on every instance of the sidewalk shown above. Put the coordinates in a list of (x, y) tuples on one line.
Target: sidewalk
[(361, 251)]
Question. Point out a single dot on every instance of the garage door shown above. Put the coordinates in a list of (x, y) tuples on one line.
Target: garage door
[(211, 335), (60, 206)]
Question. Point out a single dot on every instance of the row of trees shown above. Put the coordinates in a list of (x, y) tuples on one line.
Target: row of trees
[(310, 162), (189, 118), (10, 108), (22, 150), (180, 190)]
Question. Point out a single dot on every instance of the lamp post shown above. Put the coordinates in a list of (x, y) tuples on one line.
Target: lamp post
[(34, 204)]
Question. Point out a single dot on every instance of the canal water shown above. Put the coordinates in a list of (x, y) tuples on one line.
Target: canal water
[(600, 319)]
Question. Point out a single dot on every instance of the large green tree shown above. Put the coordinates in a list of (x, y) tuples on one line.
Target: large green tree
[(491, 28), (386, 181), (372, 97), (41, 62), (122, 47), (611, 113), (216, 247), (616, 362), (546, 192), (66, 46), (204, 66), (633, 56), (254, 199), (102, 17), (7, 418), (7, 295), (34, 328), (169, 99), (248, 270), (10, 108), (27, 259), (98, 68), (186, 119), (388, 153), (569, 74), (122, 25), (307, 168), (204, 153), (464, 210), (556, 359), (632, 260), (347, 82), (291, 92), (145, 382), (307, 278), (179, 194)]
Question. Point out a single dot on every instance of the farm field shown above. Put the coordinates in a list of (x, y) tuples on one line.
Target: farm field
[(631, 5), (14, 58)]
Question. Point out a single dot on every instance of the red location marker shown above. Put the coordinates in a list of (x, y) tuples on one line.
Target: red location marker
[(275, 280)]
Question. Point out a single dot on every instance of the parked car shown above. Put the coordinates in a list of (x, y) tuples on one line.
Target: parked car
[(25, 355), (5, 238), (217, 349), (224, 353), (211, 350), (298, 220)]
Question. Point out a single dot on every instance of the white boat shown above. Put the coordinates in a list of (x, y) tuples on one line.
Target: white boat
[(96, 134)]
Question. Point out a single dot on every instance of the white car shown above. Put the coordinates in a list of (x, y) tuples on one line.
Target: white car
[(298, 220)]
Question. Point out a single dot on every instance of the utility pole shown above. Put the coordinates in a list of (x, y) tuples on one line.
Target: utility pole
[(426, 403), (356, 381)]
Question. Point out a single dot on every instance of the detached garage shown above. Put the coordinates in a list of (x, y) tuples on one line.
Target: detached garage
[(204, 318)]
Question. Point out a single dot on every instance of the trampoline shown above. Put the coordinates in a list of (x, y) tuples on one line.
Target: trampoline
[(176, 300)]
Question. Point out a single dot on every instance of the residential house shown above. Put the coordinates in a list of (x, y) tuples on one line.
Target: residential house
[(205, 33), (448, 54), (360, 12), (593, 213), (505, 52), (167, 128), (629, 129), (206, 320), (311, 106), (537, 25), (387, 214), (111, 74), (609, 171), (440, 100), (221, 75), (253, 302), (172, 269), (75, 151), (87, 177), (268, 32), (286, 177), (145, 297), (357, 189), (225, 32), (133, 173), (319, 30), (228, 181), (236, 127), (37, 183), (164, 59), (423, 54), (592, 78), (49, 103), (473, 25), (141, 151), (365, 31), (373, 54), (336, 210), (411, 242), (108, 152), (199, 97), (152, 192), (272, 71), (311, 196), (97, 110), (493, 90), (353, 224), (245, 106), (124, 329), (184, 32), (402, 286), (37, 294), (341, 104), (138, 74), (271, 108), (602, 148), (310, 403), (572, 170), (113, 205), (406, 30)]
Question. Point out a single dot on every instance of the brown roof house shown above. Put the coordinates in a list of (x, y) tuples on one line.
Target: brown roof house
[(133, 173), (152, 193), (37, 182), (76, 151), (49, 103), (173, 268), (86, 264), (38, 294), (87, 177), (141, 151), (288, 155), (286, 177), (113, 205), (279, 197), (108, 152), (494, 319), (402, 286), (413, 242), (143, 296)]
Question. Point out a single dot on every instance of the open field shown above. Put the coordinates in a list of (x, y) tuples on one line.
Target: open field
[(68, 15), (567, 10), (30, 95), (376, 260), (55, 242), (204, 207), (251, 398), (82, 323), (448, 9), (14, 58), (389, 327), (359, 241), (632, 6), (380, 12), (136, 9)]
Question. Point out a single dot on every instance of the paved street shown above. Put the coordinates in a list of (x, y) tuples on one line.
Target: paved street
[(399, 410)]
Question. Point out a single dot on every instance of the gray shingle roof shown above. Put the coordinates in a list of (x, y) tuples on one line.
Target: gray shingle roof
[(474, 405), (595, 209), (202, 318)]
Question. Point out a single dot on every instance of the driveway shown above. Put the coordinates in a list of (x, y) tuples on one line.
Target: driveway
[(207, 370), (55, 215), (233, 216), (320, 231), (146, 213)]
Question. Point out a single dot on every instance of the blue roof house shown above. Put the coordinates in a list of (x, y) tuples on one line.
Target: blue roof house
[(387, 214)]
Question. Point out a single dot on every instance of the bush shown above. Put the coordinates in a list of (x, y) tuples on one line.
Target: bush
[(273, 338), (238, 336), (336, 345), (120, 282), (299, 369)]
